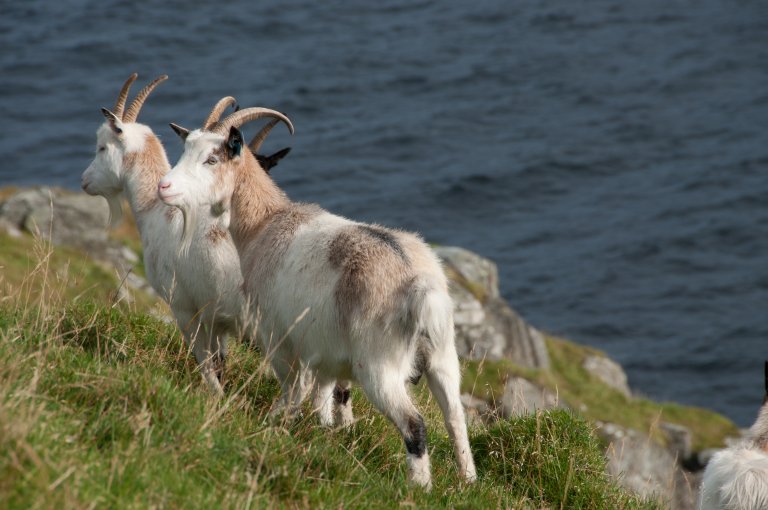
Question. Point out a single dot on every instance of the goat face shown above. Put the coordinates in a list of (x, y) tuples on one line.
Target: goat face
[(102, 177), (203, 179)]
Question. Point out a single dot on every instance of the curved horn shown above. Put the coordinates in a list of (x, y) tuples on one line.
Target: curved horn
[(138, 101), (120, 103), (255, 144), (240, 117), (217, 110)]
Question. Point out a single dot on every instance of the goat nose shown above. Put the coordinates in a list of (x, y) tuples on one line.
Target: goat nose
[(163, 185)]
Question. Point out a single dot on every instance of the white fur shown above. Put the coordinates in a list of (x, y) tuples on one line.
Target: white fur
[(736, 479), (372, 349)]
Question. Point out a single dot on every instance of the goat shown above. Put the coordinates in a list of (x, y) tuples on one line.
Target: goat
[(370, 300), (737, 478)]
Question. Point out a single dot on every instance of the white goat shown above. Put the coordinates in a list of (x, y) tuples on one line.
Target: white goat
[(737, 478), (373, 303)]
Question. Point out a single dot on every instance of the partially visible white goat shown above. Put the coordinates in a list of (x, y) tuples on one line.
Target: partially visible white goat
[(374, 302), (202, 286), (737, 478)]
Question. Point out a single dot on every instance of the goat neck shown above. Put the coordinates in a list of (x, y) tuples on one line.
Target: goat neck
[(142, 170), (255, 199)]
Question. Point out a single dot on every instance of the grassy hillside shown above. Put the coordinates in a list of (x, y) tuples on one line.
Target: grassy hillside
[(103, 406), (100, 406)]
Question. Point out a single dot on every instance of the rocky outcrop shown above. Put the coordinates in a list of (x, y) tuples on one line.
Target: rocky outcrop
[(72, 219), (486, 327), (521, 396), (648, 469)]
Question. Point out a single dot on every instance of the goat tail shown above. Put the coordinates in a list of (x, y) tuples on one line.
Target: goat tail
[(429, 313)]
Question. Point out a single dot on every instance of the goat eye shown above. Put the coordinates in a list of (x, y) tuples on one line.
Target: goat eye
[(212, 160), (102, 148)]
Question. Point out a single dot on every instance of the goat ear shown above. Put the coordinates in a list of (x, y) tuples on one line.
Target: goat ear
[(277, 156), (234, 142), (271, 161), (114, 122), (765, 399), (181, 131)]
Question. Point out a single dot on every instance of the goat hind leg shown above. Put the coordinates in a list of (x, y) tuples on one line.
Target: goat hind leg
[(443, 378), (386, 391), (342, 400)]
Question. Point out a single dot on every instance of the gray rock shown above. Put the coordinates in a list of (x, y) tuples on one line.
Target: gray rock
[(521, 342), (75, 220), (486, 327), (15, 209), (477, 410), (678, 439), (646, 468), (481, 272), (9, 228), (609, 372), (523, 397)]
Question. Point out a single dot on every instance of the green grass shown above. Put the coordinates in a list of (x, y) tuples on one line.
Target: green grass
[(595, 400), (42, 272), (103, 406), (34, 272)]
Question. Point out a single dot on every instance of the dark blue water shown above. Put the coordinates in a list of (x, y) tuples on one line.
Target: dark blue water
[(612, 157)]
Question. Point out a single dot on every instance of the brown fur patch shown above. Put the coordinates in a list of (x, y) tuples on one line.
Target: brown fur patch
[(147, 167), (216, 234), (372, 273), (255, 196)]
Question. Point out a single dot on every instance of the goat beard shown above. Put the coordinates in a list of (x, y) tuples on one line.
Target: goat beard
[(189, 219), (115, 210)]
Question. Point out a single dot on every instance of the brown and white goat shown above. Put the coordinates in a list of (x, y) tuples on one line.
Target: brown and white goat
[(349, 300)]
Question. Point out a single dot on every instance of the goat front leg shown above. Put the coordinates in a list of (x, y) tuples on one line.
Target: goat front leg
[(217, 345), (198, 340), (294, 385), (323, 400)]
